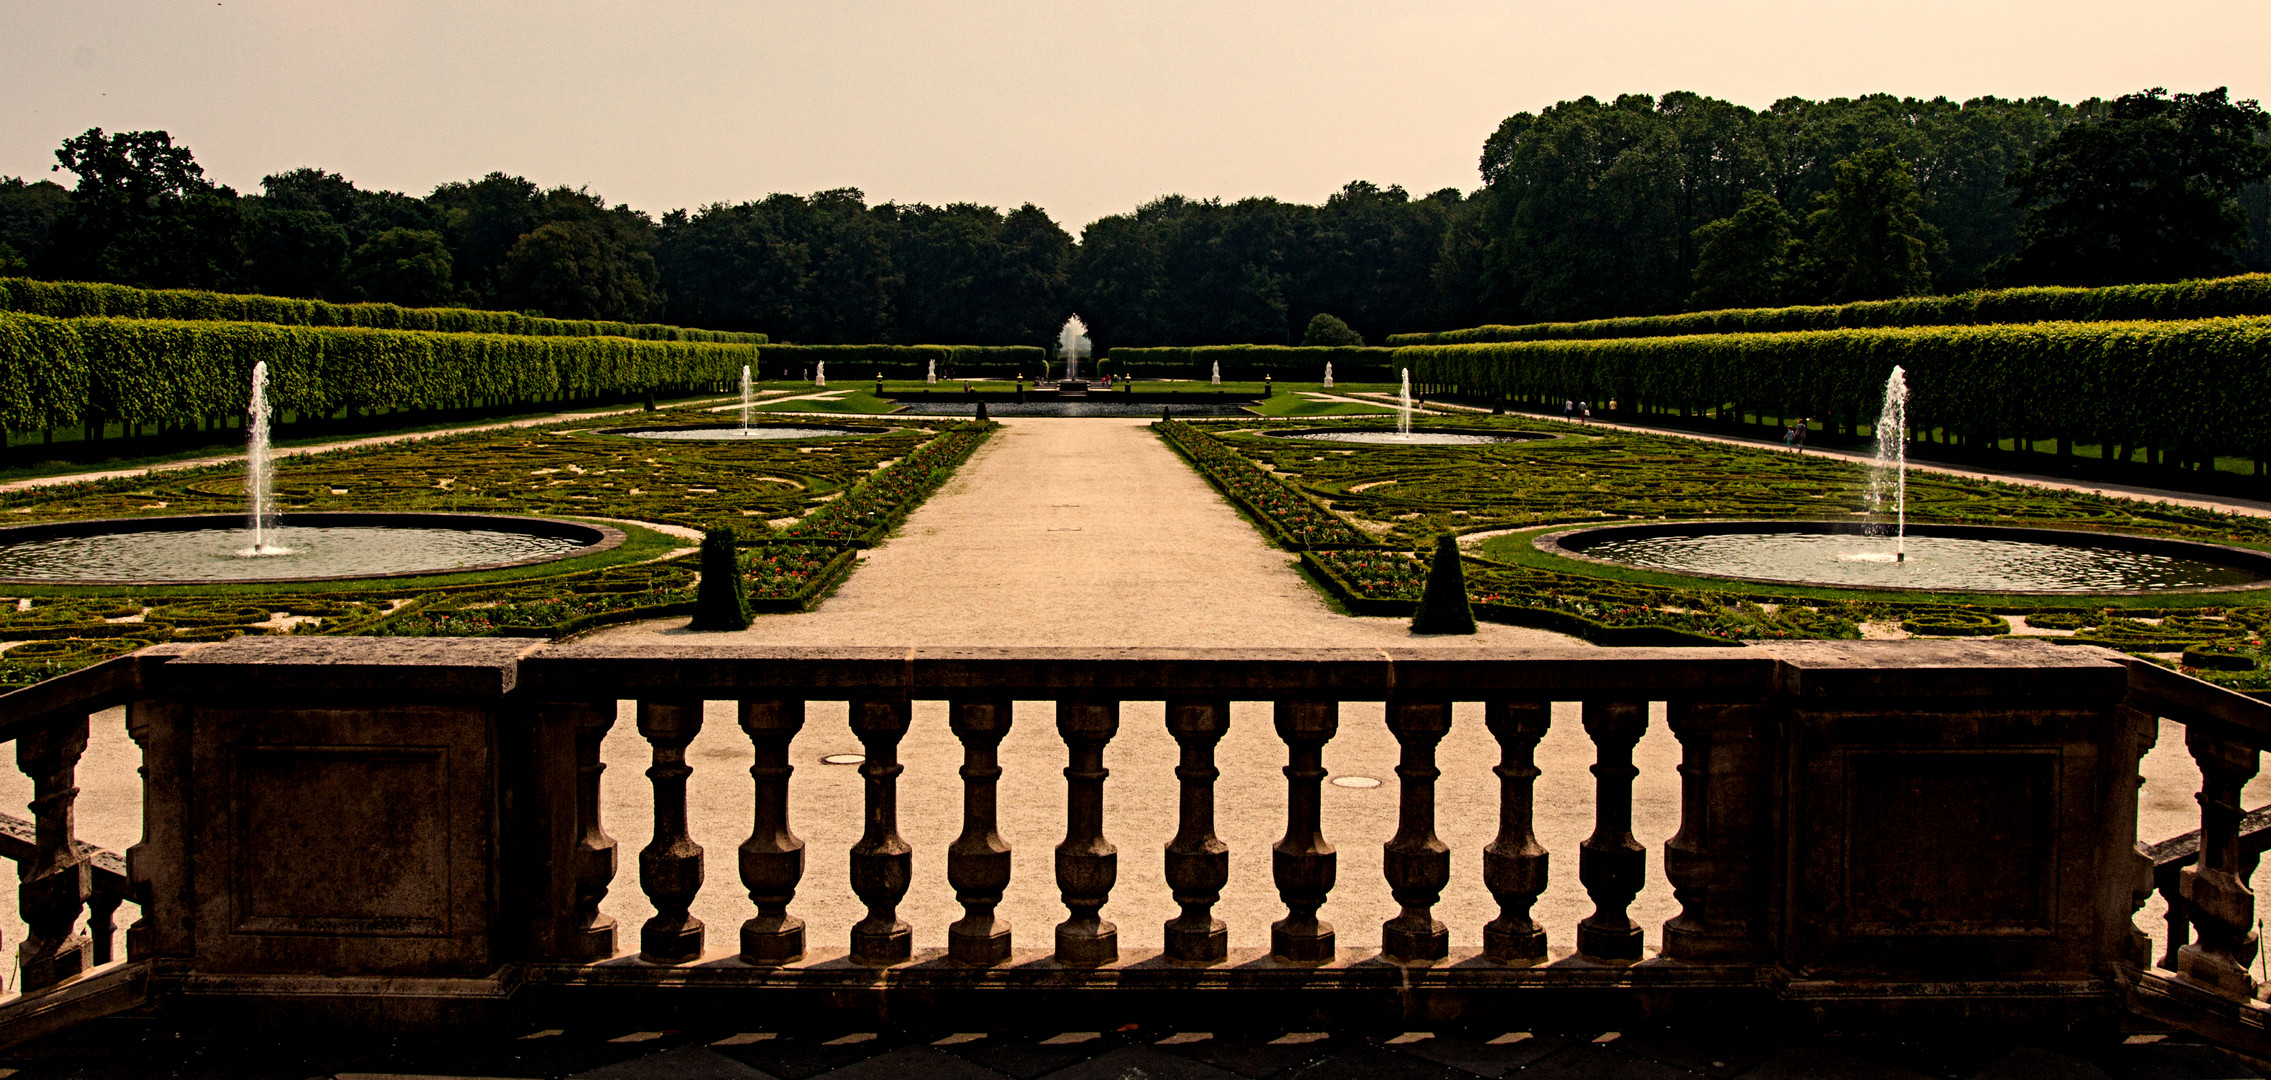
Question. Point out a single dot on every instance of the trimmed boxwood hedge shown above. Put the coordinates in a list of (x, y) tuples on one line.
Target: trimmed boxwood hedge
[(1248, 363), (850, 363), (2199, 383), (2247, 294), (81, 299), (68, 372)]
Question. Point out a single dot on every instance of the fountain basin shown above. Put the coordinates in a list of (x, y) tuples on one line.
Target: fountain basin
[(758, 433), (203, 549), (1940, 558), (1420, 436)]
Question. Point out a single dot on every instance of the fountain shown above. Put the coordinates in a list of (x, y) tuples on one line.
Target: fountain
[(820, 373), (258, 486), (746, 397), (1929, 557), (1072, 344), (1888, 478), (1403, 415), (1328, 374), (1217, 379)]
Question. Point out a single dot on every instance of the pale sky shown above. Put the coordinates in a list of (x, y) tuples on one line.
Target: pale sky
[(1084, 109)]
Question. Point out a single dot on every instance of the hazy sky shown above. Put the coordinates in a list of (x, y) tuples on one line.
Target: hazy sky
[(1085, 109)]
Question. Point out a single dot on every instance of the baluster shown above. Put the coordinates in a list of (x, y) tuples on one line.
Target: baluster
[(670, 866), (977, 863), (1514, 865), (591, 935), (1302, 863), (772, 859), (2144, 730), (58, 879), (1417, 862), (882, 863), (1087, 864), (102, 910), (2218, 899), (1611, 863), (1718, 861), (1198, 862)]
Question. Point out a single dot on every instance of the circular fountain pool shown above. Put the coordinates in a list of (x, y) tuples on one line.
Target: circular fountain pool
[(759, 433), (1419, 436), (207, 548), (1938, 557)]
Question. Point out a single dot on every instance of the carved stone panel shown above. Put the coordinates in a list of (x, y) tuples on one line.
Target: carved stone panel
[(1951, 843), (343, 839)]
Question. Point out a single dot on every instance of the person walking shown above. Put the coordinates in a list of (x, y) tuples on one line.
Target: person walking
[(1584, 413), (1568, 409), (1802, 422)]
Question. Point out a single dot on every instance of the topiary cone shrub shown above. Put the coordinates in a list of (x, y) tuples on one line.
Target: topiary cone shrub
[(722, 603), (1443, 607), (982, 417)]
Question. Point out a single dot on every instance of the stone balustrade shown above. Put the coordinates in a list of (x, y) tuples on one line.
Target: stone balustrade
[(409, 832)]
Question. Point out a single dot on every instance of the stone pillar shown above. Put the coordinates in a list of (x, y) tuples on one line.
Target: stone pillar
[(1416, 861), (1087, 864), (977, 863), (1514, 863), (1303, 863), (1721, 862), (1198, 862), (670, 866), (1611, 862), (772, 859), (57, 881), (882, 863)]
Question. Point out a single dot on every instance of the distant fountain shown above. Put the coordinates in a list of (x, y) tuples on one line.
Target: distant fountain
[(932, 377), (1328, 374), (1403, 417), (1888, 478), (258, 485), (1217, 379), (1072, 344), (820, 373), (746, 397)]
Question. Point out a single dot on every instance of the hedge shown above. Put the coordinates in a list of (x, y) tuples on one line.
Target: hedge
[(85, 299), (71, 372), (853, 362), (2247, 294), (1248, 363), (2189, 385)]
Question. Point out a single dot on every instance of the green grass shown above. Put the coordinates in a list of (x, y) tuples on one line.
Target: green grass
[(1299, 405), (861, 402)]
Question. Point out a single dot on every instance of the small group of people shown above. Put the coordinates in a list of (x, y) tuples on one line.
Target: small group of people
[(1578, 411), (1794, 436)]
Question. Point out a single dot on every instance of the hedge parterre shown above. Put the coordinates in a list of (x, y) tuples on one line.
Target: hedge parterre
[(801, 508), (1315, 497)]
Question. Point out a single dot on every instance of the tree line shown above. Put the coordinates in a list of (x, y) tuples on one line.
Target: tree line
[(1586, 210)]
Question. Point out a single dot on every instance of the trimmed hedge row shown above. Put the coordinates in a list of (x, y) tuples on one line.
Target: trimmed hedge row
[(853, 362), (2191, 385), (1248, 363), (87, 299), (69, 372), (2247, 294)]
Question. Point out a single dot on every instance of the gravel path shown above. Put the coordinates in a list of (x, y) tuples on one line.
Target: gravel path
[(1083, 531)]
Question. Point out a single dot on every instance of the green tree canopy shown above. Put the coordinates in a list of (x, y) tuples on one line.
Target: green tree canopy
[(403, 266), (2147, 189), (1329, 330), (142, 214), (1867, 241), (1743, 260)]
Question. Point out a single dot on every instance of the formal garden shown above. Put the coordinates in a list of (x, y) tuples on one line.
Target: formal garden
[(800, 507), (1364, 518)]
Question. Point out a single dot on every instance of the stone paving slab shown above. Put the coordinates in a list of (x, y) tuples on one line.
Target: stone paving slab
[(137, 1047)]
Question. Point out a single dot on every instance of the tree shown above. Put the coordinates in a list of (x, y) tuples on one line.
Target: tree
[(402, 266), (1328, 330), (1867, 242), (1743, 260), (2146, 189), (28, 212), (293, 252), (581, 270), (142, 214)]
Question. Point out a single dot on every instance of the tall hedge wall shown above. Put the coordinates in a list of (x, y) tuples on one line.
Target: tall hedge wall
[(2202, 383), (2248, 294), (906, 361), (62, 373), (79, 299), (1247, 363)]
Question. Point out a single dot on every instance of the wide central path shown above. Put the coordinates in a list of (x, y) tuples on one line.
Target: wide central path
[(1081, 532)]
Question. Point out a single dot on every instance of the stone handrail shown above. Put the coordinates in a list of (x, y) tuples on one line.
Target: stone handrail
[(1867, 829)]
